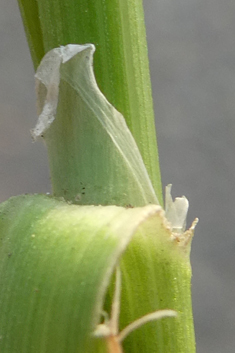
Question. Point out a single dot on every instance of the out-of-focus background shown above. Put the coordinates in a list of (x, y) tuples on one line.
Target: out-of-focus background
[(192, 60)]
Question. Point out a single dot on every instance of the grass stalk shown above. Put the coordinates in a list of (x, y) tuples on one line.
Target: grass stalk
[(155, 266), (116, 28)]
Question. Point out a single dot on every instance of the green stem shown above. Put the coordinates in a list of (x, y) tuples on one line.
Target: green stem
[(116, 27)]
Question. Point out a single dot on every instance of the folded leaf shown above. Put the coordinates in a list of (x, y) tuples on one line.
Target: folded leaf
[(56, 261)]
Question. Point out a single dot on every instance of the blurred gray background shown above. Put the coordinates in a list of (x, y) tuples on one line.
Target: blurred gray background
[(192, 60)]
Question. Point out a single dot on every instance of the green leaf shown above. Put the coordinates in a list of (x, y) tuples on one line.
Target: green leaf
[(156, 275), (103, 165), (56, 261)]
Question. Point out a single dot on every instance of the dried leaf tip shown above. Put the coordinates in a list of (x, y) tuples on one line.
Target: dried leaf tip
[(176, 211)]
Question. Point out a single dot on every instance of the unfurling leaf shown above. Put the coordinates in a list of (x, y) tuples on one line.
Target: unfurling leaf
[(104, 165)]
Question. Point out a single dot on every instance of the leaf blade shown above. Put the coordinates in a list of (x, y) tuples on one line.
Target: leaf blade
[(54, 281)]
